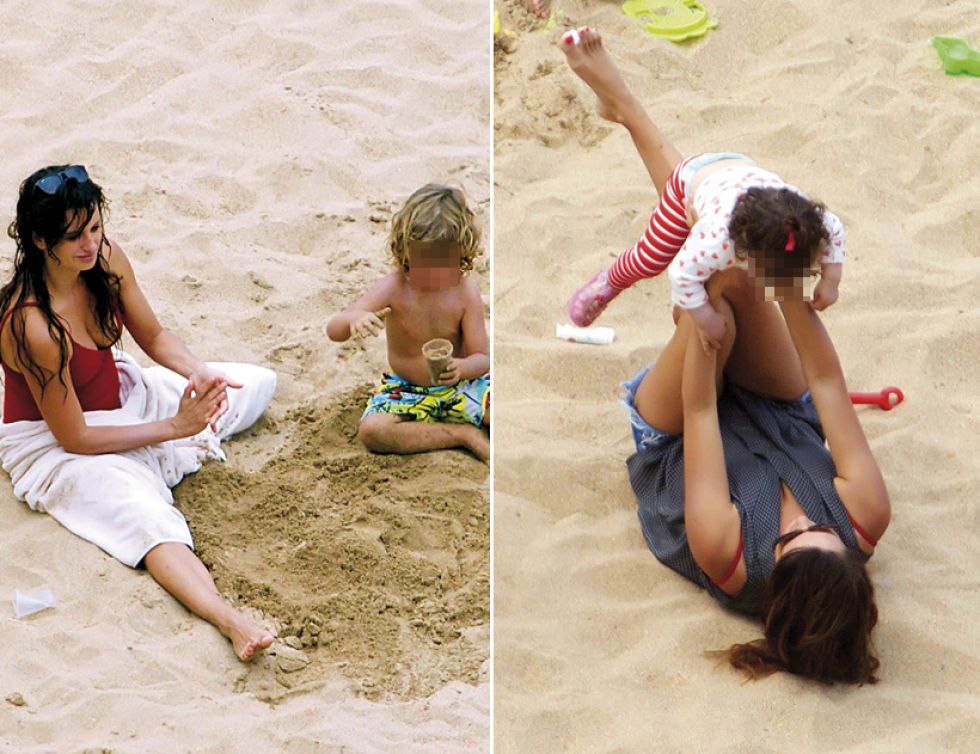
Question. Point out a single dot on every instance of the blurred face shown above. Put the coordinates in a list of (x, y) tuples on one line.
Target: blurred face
[(824, 540), (770, 288), (433, 265), (79, 249)]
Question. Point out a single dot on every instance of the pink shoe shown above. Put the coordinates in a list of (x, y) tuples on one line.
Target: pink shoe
[(591, 299)]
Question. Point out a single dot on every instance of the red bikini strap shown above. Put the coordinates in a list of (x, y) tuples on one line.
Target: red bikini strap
[(12, 309), (3, 320), (731, 569), (862, 532)]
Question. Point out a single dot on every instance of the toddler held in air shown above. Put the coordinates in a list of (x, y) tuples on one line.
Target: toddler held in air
[(718, 210)]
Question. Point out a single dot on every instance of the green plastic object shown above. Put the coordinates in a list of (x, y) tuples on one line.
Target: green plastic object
[(675, 20), (957, 56)]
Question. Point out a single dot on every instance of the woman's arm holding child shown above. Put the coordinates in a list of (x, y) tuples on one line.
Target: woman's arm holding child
[(711, 519), (705, 252), (859, 481)]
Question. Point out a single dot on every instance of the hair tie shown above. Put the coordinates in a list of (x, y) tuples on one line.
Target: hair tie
[(791, 240)]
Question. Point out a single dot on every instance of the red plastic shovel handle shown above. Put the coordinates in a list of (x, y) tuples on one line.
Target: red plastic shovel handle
[(886, 399)]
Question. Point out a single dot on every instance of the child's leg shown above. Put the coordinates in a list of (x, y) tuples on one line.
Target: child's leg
[(664, 237), (387, 433)]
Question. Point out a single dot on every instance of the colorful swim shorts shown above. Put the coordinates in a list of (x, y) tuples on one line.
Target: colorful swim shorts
[(466, 402)]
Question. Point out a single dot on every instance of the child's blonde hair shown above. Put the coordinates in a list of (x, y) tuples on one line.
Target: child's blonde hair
[(435, 213)]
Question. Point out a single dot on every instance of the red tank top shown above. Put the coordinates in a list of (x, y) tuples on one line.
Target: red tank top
[(93, 373)]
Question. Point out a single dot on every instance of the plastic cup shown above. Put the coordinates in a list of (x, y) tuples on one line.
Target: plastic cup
[(28, 603), (438, 352)]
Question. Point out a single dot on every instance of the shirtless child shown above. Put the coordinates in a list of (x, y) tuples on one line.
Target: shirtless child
[(433, 241)]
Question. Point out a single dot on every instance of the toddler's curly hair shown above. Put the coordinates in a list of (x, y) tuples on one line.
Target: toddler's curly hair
[(781, 230), (435, 213)]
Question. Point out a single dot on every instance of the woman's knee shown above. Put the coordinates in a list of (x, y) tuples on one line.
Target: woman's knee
[(733, 283)]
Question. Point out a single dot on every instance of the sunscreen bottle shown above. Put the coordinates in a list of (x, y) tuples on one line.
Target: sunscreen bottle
[(599, 336)]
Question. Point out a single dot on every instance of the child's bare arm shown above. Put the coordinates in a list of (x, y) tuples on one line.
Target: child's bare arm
[(475, 342), (365, 317), (832, 257), (825, 292)]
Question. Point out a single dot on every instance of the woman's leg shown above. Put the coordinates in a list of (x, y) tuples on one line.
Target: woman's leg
[(590, 62), (178, 570), (764, 359), (658, 396), (668, 227), (757, 354)]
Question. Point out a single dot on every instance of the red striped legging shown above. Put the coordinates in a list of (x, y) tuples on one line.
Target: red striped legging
[(663, 238)]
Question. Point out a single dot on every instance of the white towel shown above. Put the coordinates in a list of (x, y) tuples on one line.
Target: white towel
[(122, 501)]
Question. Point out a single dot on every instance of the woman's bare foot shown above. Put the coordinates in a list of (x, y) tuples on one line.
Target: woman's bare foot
[(591, 63), (540, 8), (246, 638)]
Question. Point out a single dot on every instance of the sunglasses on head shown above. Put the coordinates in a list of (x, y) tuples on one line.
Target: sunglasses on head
[(791, 535), (51, 184)]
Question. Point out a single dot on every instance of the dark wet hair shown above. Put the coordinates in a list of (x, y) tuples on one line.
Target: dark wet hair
[(760, 228), (48, 217), (820, 612)]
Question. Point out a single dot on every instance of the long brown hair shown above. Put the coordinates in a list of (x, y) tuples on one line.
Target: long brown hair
[(820, 612), (48, 217)]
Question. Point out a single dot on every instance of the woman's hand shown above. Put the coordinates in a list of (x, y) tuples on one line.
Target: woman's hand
[(711, 329), (710, 326), (199, 406), (205, 374)]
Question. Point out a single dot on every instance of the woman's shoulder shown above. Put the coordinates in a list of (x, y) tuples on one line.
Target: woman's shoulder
[(116, 259), (40, 342), (28, 311), (868, 510)]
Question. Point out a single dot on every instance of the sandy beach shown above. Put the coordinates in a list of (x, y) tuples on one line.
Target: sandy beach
[(598, 647), (253, 154)]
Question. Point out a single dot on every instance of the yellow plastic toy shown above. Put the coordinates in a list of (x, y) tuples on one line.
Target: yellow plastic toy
[(498, 29), (675, 20)]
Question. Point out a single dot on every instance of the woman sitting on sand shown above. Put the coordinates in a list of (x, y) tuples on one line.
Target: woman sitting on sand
[(87, 435), (739, 493)]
